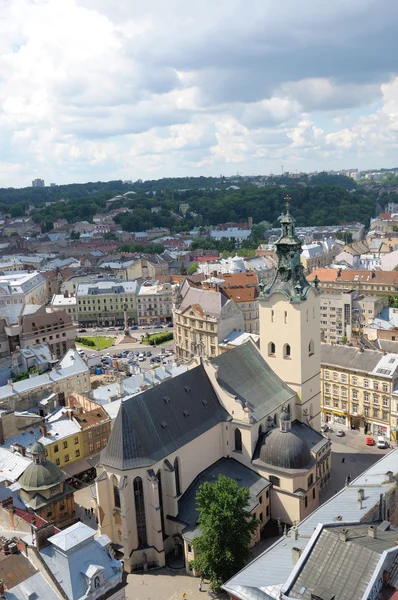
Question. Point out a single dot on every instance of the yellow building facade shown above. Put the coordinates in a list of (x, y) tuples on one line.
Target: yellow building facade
[(357, 389)]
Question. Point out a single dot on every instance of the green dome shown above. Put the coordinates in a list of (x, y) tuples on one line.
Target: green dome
[(36, 448), (39, 476)]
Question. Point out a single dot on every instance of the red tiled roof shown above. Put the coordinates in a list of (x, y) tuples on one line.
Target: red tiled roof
[(347, 275)]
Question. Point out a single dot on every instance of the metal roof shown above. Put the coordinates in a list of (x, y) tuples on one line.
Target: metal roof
[(263, 577), (244, 373), (349, 358), (70, 555), (155, 423), (245, 477)]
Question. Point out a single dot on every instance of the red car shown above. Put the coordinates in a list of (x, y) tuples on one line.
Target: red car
[(370, 441)]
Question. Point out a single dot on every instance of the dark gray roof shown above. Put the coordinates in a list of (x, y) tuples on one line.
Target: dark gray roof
[(349, 358), (152, 425), (245, 374), (341, 567), (314, 439), (245, 477), (388, 346), (285, 449)]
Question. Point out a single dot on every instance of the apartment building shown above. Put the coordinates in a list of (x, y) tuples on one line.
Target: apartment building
[(94, 422), (103, 302), (155, 303), (47, 389), (344, 316), (242, 289), (372, 283), (202, 320), (357, 389), (24, 326), (65, 302), (22, 288), (314, 256)]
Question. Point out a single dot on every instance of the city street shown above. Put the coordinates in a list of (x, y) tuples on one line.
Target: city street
[(350, 457)]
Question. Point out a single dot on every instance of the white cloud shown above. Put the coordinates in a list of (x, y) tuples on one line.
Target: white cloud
[(100, 89)]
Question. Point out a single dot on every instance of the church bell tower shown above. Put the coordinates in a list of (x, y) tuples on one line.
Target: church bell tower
[(290, 326)]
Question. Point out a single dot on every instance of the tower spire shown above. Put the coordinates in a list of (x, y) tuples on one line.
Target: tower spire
[(289, 278)]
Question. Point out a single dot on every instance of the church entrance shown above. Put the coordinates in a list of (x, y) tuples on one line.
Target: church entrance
[(175, 559)]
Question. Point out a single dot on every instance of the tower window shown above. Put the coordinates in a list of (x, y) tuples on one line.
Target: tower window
[(286, 351), (311, 348), (272, 316), (238, 440), (271, 349), (285, 317)]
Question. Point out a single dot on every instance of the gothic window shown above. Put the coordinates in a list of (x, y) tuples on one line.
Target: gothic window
[(97, 582), (177, 475), (159, 478), (260, 430), (286, 351), (140, 511), (311, 348), (116, 492), (238, 440), (271, 349)]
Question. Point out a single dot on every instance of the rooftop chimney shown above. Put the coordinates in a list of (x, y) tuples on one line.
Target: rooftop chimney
[(343, 535), (296, 553), (361, 494), (372, 531), (43, 430), (294, 533), (390, 476)]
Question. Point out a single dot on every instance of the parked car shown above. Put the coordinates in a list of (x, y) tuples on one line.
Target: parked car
[(370, 441), (134, 327), (111, 328), (133, 363), (170, 325), (382, 442), (149, 353), (157, 326), (119, 355), (82, 331), (340, 433)]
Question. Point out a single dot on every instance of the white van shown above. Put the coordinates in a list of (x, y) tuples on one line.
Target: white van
[(381, 442)]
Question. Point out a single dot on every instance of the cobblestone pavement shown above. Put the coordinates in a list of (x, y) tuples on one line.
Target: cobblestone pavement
[(164, 584)]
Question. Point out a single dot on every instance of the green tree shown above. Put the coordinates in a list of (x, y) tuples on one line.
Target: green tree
[(226, 526), (75, 235), (345, 236), (109, 235), (193, 268), (16, 211)]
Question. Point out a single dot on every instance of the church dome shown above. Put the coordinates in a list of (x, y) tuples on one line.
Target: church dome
[(39, 476), (237, 265), (285, 449)]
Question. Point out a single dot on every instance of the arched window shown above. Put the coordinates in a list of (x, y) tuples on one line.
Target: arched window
[(271, 349), (276, 419), (311, 348), (238, 440), (116, 492), (286, 351), (260, 430), (140, 511), (177, 475), (97, 582)]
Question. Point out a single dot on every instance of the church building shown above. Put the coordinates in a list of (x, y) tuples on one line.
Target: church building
[(252, 415)]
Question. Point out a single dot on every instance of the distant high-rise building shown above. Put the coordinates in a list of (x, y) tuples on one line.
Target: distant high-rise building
[(53, 184), (38, 183)]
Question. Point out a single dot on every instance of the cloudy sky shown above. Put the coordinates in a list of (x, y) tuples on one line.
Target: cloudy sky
[(107, 89)]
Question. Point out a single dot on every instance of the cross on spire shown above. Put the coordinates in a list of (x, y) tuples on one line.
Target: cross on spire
[(287, 203)]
